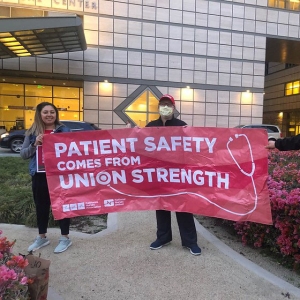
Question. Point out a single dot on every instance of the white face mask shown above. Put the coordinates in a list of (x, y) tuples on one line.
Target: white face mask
[(165, 111)]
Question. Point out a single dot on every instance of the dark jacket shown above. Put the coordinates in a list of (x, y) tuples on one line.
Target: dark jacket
[(29, 151), (288, 143), (172, 122)]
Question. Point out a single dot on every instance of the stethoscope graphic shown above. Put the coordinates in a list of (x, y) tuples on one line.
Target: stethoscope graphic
[(248, 174)]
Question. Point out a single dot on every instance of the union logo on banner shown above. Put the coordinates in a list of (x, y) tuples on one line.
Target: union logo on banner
[(208, 171)]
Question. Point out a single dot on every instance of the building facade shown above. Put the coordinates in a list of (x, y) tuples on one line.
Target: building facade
[(282, 97), (209, 54)]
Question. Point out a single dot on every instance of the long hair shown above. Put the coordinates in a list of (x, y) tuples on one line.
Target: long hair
[(38, 125)]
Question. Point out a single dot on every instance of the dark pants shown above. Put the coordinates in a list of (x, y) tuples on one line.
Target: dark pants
[(42, 204), (186, 226)]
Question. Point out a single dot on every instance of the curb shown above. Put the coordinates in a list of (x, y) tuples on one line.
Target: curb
[(246, 263)]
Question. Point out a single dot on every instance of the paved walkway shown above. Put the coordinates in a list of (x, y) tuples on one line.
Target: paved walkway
[(117, 264)]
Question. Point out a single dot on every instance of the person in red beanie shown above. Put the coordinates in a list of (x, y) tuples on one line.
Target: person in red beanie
[(185, 220)]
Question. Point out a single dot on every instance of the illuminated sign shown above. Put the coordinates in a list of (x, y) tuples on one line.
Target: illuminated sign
[(63, 4)]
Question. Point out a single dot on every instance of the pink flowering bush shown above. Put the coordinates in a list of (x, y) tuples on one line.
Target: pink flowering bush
[(283, 237), (13, 281)]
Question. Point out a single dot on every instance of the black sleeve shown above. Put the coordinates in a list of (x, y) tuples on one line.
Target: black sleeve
[(289, 143), (183, 123)]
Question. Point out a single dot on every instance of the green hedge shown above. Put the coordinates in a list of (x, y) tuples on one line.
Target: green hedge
[(16, 202)]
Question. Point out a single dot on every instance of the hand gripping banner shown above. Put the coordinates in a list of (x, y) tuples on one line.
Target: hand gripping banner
[(215, 172)]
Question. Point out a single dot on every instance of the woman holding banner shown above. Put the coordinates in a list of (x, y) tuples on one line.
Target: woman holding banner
[(46, 121), (185, 220)]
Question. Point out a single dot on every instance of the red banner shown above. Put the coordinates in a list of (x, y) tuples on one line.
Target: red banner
[(208, 171)]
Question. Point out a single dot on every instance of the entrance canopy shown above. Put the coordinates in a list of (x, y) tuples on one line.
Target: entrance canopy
[(40, 35)]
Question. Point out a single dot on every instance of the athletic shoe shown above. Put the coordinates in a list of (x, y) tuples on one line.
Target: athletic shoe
[(38, 243), (195, 249), (63, 245), (157, 245)]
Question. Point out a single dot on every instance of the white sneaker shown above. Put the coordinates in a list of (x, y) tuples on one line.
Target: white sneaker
[(38, 243), (63, 245)]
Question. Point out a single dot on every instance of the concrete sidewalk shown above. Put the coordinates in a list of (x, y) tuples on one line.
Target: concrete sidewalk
[(117, 264)]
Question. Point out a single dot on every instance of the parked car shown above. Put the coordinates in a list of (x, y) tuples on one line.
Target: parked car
[(14, 139), (274, 131)]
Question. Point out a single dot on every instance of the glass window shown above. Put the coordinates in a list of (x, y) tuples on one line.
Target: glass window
[(65, 92), (285, 4), (140, 104), (293, 5), (144, 109), (66, 104), (11, 89), (18, 102), (38, 91), (296, 87), (281, 4), (289, 89), (153, 104), (140, 119), (12, 102), (32, 102), (69, 115)]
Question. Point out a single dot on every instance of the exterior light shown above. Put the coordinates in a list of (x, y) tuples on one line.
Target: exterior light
[(105, 88), (187, 94), (13, 45), (246, 97)]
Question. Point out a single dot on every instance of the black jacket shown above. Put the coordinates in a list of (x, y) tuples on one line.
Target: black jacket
[(288, 143), (172, 122)]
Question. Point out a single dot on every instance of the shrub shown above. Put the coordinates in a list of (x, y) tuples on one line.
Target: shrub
[(283, 237), (13, 280), (16, 202)]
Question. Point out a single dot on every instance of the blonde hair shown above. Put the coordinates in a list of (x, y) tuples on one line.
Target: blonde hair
[(38, 125)]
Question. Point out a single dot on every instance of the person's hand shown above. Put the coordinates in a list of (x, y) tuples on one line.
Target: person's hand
[(271, 145), (39, 140)]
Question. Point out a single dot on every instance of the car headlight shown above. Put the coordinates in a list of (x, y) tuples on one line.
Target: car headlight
[(3, 135)]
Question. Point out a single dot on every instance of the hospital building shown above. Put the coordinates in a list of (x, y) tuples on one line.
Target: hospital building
[(226, 63)]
